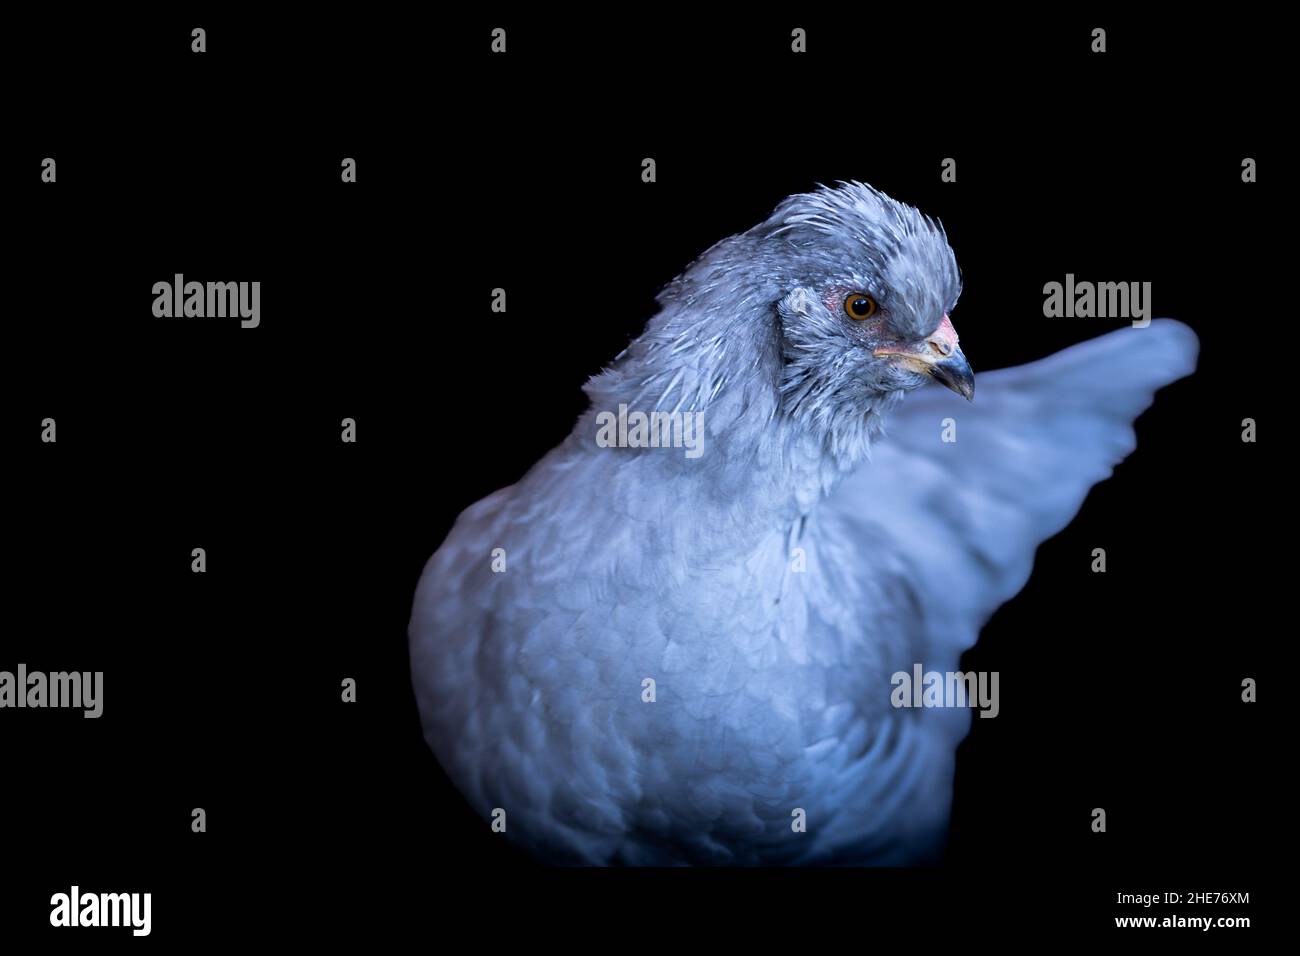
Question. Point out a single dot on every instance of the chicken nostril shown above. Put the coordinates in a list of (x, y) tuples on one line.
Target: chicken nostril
[(943, 348)]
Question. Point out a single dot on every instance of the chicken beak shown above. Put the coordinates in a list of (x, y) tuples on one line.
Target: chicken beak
[(954, 372), (941, 358)]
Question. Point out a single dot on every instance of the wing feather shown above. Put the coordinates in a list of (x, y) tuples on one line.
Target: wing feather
[(967, 515)]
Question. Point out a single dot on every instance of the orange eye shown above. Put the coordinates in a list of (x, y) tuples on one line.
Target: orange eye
[(860, 306)]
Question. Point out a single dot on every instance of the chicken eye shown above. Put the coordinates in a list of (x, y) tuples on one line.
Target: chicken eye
[(860, 306)]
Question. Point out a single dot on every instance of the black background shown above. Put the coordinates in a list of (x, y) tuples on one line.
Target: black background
[(329, 821)]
